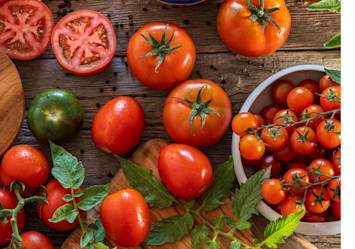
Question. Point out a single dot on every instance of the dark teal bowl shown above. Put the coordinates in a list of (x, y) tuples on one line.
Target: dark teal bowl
[(181, 2)]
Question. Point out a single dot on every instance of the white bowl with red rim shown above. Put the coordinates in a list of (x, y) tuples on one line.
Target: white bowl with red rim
[(257, 100)]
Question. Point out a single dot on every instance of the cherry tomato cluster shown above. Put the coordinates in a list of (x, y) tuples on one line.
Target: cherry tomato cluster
[(299, 137)]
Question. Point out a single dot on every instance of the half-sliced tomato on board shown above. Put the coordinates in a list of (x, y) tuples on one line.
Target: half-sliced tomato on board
[(25, 28), (84, 42)]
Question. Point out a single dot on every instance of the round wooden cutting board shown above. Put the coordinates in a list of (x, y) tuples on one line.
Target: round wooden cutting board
[(12, 103)]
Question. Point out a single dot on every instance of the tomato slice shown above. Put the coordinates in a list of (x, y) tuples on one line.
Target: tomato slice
[(84, 42), (25, 28)]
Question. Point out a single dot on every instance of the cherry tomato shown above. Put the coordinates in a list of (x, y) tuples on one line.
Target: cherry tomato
[(272, 191), (333, 189), (299, 166), (336, 162), (324, 166), (270, 160), (336, 208), (118, 125), (286, 154), (29, 24), (84, 42), (310, 112), (8, 200), (55, 193), (26, 164), (205, 100), (250, 148), (299, 160), (250, 163), (275, 139), (312, 217), (269, 112), (313, 87), (260, 119), (317, 200), (289, 205), (303, 140), (280, 90), (329, 138), (303, 181), (326, 82), (286, 116), (185, 170), (35, 240), (125, 217), (234, 21), (299, 98), (332, 99), (242, 121), (177, 52)]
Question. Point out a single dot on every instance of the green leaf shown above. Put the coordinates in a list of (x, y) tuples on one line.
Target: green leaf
[(334, 42), (92, 196), (170, 230), (154, 192), (334, 74), (214, 245), (222, 183), (67, 198), (100, 245), (99, 233), (65, 212), (218, 223), (66, 168), (190, 204), (248, 197), (198, 235), (85, 239), (331, 5), (92, 227), (277, 231), (235, 245)]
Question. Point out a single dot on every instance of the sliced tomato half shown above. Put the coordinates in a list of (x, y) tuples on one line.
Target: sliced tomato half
[(25, 28), (84, 42)]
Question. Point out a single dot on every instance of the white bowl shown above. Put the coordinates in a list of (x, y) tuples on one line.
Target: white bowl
[(257, 100)]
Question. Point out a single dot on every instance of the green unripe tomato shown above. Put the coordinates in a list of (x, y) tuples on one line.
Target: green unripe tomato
[(55, 115)]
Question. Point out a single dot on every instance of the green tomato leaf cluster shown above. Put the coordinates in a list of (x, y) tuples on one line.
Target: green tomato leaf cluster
[(331, 5), (335, 75)]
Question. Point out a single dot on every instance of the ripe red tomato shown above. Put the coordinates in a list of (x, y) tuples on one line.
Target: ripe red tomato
[(319, 152), (118, 125), (270, 160), (288, 179), (125, 217), (323, 166), (29, 24), (185, 170), (310, 112), (336, 208), (286, 116), (35, 240), (250, 163), (299, 166), (336, 162), (333, 99), (55, 193), (84, 42), (26, 164), (189, 104), (250, 148), (329, 139), (333, 189), (242, 121), (244, 35), (303, 140), (299, 161), (290, 206), (173, 59), (273, 139), (312, 217), (260, 119), (299, 98), (317, 200), (268, 113), (272, 191), (280, 90), (326, 82), (286, 154), (313, 87)]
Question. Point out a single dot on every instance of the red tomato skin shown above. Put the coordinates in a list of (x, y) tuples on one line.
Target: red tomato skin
[(270, 160), (177, 65), (299, 160), (310, 200), (282, 113), (326, 82), (277, 143), (288, 205), (336, 209), (313, 87), (328, 139), (250, 148), (313, 217), (55, 194), (299, 98), (328, 105), (319, 152), (35, 240), (125, 217), (288, 180), (316, 109), (336, 163), (250, 163), (280, 90), (269, 112), (303, 148), (118, 126), (272, 191), (331, 188), (185, 170), (324, 166), (242, 121), (9, 201), (286, 154)]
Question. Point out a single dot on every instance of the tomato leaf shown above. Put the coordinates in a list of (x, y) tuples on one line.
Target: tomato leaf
[(335, 75), (222, 183), (99, 233), (85, 239), (331, 5), (214, 245), (65, 212), (248, 197), (66, 168), (235, 245), (67, 198), (154, 192), (100, 245), (334, 42), (92, 196), (198, 235), (170, 230)]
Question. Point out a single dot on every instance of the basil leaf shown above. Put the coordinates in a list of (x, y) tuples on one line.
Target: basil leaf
[(99, 233), (92, 196), (335, 75), (335, 42), (85, 239), (66, 168), (235, 245), (248, 197), (65, 212), (331, 5), (170, 230), (198, 235), (154, 192), (222, 183)]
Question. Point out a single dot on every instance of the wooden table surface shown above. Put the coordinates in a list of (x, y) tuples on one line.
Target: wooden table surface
[(237, 75)]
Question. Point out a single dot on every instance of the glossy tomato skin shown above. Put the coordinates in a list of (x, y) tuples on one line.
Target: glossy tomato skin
[(310, 112), (289, 205), (118, 125), (280, 90), (55, 194), (312, 205), (323, 166), (326, 82), (177, 112), (329, 105), (270, 160), (269, 112), (272, 191), (245, 37), (336, 162), (303, 147), (299, 98), (298, 161), (277, 141), (313, 87), (55, 115), (313, 217), (177, 65), (334, 188), (336, 208), (250, 148), (278, 119), (286, 154), (329, 139), (242, 121), (288, 179), (35, 240), (15, 15), (125, 217), (185, 170), (99, 42), (319, 152)]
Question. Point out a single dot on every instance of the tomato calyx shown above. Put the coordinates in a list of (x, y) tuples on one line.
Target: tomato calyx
[(161, 48), (260, 15), (304, 136), (331, 96)]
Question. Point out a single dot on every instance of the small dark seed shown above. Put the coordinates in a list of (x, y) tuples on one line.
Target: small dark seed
[(101, 90), (98, 105), (130, 16), (82, 151), (186, 21), (211, 66), (131, 24), (114, 89), (127, 33), (107, 81), (121, 25), (145, 9), (26, 108), (114, 73), (67, 74), (223, 81), (208, 23), (110, 175), (57, 87)]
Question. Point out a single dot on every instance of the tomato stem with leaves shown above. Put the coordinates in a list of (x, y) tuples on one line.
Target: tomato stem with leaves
[(260, 15)]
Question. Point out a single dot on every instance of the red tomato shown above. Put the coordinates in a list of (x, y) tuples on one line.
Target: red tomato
[(323, 166), (332, 99), (244, 36), (185, 170), (178, 55), (313, 87), (250, 163), (319, 152), (26, 164), (268, 113), (286, 116), (329, 138), (35, 240), (299, 98), (336, 208), (272, 191), (280, 90), (288, 179), (29, 24), (270, 160), (84, 42), (55, 193), (273, 139), (310, 112), (250, 148), (183, 119), (326, 82), (299, 166), (286, 154), (290, 206), (312, 217), (317, 200), (298, 161), (125, 217), (336, 162), (242, 121), (118, 125), (260, 119), (303, 140), (333, 189)]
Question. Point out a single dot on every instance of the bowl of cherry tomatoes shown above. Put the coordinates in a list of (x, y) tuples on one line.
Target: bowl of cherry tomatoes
[(291, 122)]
